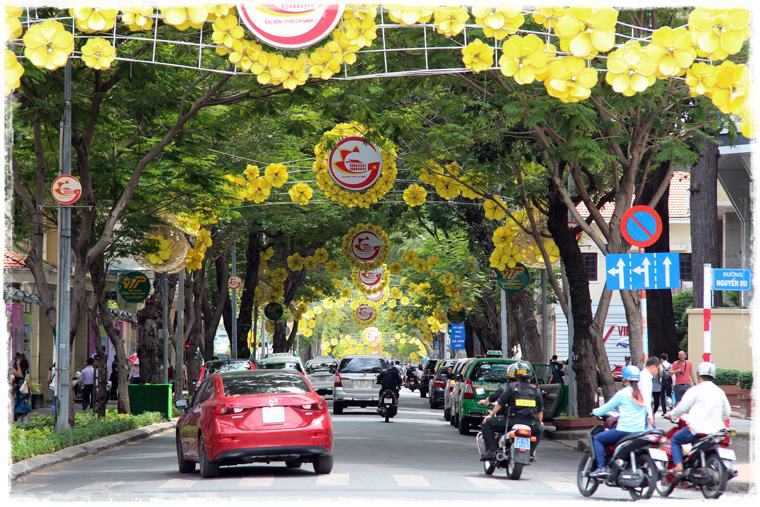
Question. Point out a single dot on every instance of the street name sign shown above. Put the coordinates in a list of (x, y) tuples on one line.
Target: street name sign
[(513, 279), (732, 279), (650, 271)]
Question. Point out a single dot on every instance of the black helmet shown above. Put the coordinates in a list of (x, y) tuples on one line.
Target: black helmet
[(523, 371)]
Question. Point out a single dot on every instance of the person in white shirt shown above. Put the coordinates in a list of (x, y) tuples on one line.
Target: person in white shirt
[(667, 382), (87, 379), (135, 371), (708, 409), (651, 369)]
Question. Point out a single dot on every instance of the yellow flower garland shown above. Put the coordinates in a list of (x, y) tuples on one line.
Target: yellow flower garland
[(369, 322)]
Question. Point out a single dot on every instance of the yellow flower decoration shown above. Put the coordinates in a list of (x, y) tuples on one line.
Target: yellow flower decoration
[(548, 16), (448, 189), (409, 15), (584, 31), (401, 321), (701, 79), (408, 257), (98, 53), (301, 193), (395, 268), (498, 21), (244, 54), (359, 28), (226, 30), (415, 195), (294, 72), (164, 249), (748, 127), (296, 262), (672, 50), (12, 29), (630, 70), (321, 255), (450, 21), (381, 257), (404, 301), (392, 303), (569, 79), (13, 72), (494, 208), (331, 267), (267, 254), (259, 189), (184, 17), (276, 174), (732, 84), (310, 263), (719, 32), (503, 236), (477, 56), (48, 44), (336, 283), (194, 260), (137, 18), (525, 58), (94, 19)]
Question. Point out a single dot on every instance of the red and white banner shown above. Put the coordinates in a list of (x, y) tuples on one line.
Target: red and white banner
[(355, 164), (290, 25), (364, 313), (375, 297), (66, 189)]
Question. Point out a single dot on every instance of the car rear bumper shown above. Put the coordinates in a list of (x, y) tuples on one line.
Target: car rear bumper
[(359, 398), (278, 453)]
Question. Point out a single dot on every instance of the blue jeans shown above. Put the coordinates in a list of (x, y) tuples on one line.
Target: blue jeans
[(52, 410), (606, 437), (679, 389), (684, 436)]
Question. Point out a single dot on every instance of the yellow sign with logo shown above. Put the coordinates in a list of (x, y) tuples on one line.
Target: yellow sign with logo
[(525, 403)]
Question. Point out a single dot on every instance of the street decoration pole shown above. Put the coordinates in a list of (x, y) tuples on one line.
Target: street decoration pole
[(707, 310), (234, 346)]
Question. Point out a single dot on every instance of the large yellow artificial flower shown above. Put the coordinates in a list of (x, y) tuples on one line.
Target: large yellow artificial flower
[(321, 255), (184, 17), (584, 31), (498, 21), (98, 53), (630, 70), (326, 61), (301, 193), (548, 16), (359, 28), (164, 249), (719, 32), (203, 240), (331, 267), (12, 29), (220, 11), (244, 53), (409, 15), (525, 58), (447, 188), (450, 20), (194, 260), (295, 72), (13, 72), (408, 257), (48, 44), (259, 189), (494, 208), (477, 56), (569, 79), (395, 268), (94, 19), (295, 262), (404, 301), (701, 79), (267, 68), (137, 18), (672, 50), (267, 254), (503, 236), (732, 85), (310, 263), (226, 30), (415, 195)]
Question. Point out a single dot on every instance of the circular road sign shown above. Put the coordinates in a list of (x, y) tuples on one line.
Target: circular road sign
[(641, 226), (234, 282), (134, 287), (66, 189), (273, 311), (513, 279)]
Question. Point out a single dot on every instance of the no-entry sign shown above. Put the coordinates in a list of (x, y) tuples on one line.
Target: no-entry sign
[(641, 226)]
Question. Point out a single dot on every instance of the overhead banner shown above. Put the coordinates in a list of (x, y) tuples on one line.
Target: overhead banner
[(290, 25)]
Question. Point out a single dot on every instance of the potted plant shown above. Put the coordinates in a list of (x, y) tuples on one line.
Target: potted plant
[(37, 399), (568, 423), (728, 381), (745, 393)]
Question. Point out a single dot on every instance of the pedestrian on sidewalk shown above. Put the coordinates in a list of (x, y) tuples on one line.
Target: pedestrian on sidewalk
[(114, 378), (667, 381), (684, 372), (135, 371), (87, 379), (20, 370), (52, 380)]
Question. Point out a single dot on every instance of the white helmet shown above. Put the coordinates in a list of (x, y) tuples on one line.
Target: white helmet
[(707, 370)]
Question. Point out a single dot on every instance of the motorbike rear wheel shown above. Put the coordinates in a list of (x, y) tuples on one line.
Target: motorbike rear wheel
[(514, 470), (713, 462), (665, 485), (586, 485), (651, 474)]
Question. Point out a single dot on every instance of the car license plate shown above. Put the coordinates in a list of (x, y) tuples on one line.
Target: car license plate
[(726, 453), (658, 454), (273, 415), (522, 443), (363, 383)]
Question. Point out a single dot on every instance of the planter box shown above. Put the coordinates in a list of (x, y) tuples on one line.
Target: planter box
[(732, 393), (575, 423), (36, 401), (151, 398), (745, 400)]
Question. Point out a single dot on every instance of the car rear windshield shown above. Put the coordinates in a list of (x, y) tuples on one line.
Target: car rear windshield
[(284, 365), (265, 384), (490, 372), (361, 365), (313, 367), (231, 366)]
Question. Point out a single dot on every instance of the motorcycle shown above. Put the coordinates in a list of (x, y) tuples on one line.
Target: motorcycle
[(513, 452), (708, 463), (78, 395), (631, 462), (412, 383), (388, 404)]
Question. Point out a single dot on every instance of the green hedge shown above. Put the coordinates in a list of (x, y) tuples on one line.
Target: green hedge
[(726, 377), (37, 436), (745, 379)]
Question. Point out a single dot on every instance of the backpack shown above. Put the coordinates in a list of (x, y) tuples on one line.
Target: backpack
[(667, 380)]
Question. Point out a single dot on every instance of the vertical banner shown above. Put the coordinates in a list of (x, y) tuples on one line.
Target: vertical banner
[(457, 337)]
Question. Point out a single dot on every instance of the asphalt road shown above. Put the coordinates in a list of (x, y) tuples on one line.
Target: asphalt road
[(417, 457)]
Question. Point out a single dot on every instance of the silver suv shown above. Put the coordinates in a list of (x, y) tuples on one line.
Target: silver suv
[(355, 382)]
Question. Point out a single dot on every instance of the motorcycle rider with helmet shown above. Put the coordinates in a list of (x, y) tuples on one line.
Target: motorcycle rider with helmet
[(522, 403), (633, 412), (389, 378), (708, 408)]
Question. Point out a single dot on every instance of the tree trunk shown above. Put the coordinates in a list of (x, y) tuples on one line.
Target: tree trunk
[(705, 242), (248, 297), (150, 347), (524, 318)]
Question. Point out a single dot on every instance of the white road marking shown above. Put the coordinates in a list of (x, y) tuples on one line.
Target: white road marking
[(487, 483), (20, 488), (564, 487), (97, 486), (256, 482), (411, 480), (333, 480), (364, 419), (177, 483)]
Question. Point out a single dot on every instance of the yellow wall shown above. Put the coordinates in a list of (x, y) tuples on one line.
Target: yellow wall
[(731, 338)]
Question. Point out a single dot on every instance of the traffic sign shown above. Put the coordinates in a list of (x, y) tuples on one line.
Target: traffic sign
[(457, 336), (641, 226), (732, 279), (66, 189), (234, 282), (456, 316), (650, 271), (513, 279)]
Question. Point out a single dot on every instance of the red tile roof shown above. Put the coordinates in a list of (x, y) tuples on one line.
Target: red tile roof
[(13, 260)]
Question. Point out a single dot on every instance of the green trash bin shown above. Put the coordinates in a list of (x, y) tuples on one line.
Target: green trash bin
[(151, 398)]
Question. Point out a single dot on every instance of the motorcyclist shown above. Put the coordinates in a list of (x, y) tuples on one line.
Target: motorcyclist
[(630, 404), (523, 404), (708, 408), (389, 378)]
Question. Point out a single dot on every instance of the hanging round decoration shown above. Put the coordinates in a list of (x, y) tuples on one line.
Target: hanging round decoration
[(172, 250), (355, 172), (290, 25), (377, 298), (366, 247), (371, 334), (372, 281), (364, 315)]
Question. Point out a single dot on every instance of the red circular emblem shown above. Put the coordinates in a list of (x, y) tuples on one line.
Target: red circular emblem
[(290, 25), (366, 246), (355, 164), (371, 278), (375, 297), (66, 189), (234, 282), (364, 312)]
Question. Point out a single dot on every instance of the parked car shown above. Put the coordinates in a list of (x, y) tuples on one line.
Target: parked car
[(321, 372), (455, 393), (437, 384), (451, 385), (355, 382), (427, 374), (254, 416), (222, 365), (556, 396), (282, 361)]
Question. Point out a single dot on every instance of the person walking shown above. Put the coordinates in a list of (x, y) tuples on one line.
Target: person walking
[(666, 382), (52, 380), (21, 388), (656, 387), (114, 378), (87, 379), (135, 371), (684, 372), (646, 386)]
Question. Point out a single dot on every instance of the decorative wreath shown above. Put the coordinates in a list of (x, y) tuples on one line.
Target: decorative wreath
[(370, 321), (379, 260), (365, 298), (334, 191), (364, 289)]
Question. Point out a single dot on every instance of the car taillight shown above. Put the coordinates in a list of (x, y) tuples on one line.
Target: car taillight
[(440, 383), (313, 406), (226, 410), (338, 381), (468, 394)]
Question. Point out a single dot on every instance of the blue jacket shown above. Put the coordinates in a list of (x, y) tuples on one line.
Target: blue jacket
[(633, 413)]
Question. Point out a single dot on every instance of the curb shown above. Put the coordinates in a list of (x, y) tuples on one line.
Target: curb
[(73, 452)]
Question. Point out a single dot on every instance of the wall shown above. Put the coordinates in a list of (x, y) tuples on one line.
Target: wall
[(731, 338)]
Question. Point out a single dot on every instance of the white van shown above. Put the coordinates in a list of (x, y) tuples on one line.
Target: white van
[(321, 372)]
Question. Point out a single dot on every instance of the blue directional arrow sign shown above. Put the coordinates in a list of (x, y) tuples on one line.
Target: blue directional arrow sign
[(643, 271), (457, 336)]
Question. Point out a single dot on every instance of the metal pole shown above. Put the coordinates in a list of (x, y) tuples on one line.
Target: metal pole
[(233, 347), (63, 312), (446, 344), (165, 324), (572, 408), (644, 326), (504, 328), (179, 339)]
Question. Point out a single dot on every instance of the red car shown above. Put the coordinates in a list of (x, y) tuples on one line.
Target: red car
[(253, 416)]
